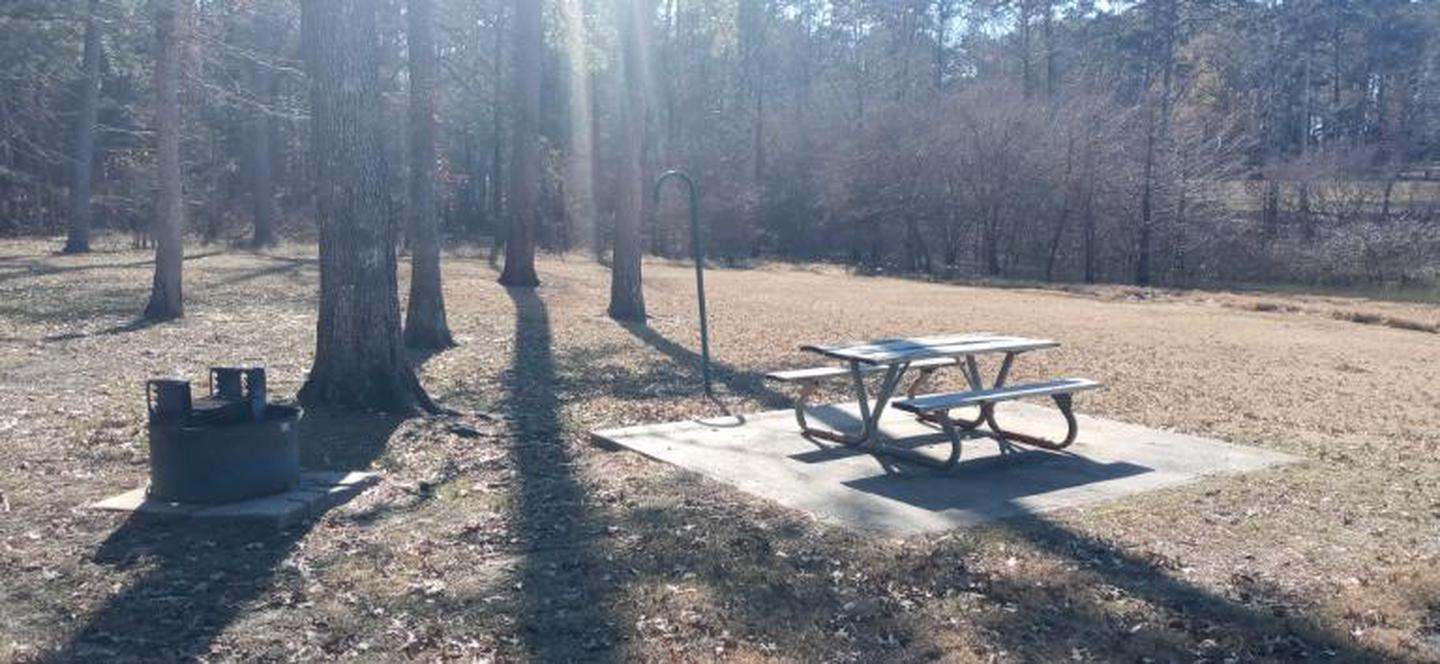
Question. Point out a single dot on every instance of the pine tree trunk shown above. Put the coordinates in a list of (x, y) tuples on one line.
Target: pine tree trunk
[(1157, 135), (425, 324), (1063, 218), (525, 166), (580, 174), (166, 300), (262, 155), (78, 241), (992, 239), (627, 296), (1090, 239), (597, 238), (359, 358), (495, 200), (1147, 195)]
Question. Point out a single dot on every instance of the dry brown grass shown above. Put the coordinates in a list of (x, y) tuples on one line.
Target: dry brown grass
[(511, 539)]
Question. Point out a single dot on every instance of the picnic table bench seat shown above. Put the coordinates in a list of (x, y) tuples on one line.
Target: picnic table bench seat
[(930, 403), (936, 408), (822, 373)]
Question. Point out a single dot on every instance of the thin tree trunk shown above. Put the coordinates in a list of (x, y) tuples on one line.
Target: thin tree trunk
[(759, 136), (1157, 132), (1088, 215), (1385, 200), (579, 162), (1027, 77), (359, 356), (78, 241), (166, 300), (425, 324), (598, 233), (1147, 195), (1270, 208), (262, 157), (992, 240), (496, 199), (627, 296), (525, 158), (1063, 220), (1181, 210), (1051, 73), (943, 10)]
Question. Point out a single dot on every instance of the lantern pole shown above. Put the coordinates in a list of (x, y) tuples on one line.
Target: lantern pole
[(697, 248)]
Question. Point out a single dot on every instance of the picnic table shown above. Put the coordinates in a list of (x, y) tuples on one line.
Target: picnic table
[(893, 358)]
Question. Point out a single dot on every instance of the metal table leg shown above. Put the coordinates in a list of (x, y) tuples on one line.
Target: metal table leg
[(956, 434), (870, 412), (971, 370)]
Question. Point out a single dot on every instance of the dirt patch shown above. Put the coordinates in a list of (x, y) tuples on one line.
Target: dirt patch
[(502, 535)]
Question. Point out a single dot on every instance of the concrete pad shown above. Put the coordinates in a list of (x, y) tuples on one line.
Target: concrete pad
[(135, 500), (765, 454), (316, 493)]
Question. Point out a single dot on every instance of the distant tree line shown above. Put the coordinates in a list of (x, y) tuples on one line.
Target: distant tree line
[(1152, 142)]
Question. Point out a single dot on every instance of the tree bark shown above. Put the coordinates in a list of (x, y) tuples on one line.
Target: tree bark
[(166, 299), (1157, 134), (495, 200), (78, 241), (425, 324), (1147, 196), (262, 157), (580, 160), (1027, 78), (525, 159), (1063, 218), (1051, 72), (627, 295), (359, 357), (1089, 238), (597, 237)]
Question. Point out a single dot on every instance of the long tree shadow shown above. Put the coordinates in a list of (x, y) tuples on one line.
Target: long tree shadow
[(564, 581), (1194, 622), (744, 383), (40, 268), (194, 578), (124, 328), (283, 265), (1109, 604), (786, 587)]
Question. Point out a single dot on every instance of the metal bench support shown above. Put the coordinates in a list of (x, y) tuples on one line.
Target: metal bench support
[(869, 419), (957, 430), (1064, 402)]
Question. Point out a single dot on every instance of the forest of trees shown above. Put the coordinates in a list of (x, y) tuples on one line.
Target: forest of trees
[(1150, 142)]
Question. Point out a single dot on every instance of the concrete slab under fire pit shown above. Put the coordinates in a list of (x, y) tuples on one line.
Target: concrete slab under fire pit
[(765, 454), (317, 492)]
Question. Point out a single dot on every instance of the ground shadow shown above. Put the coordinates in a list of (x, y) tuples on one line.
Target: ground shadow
[(54, 306), (745, 383), (1196, 624), (283, 265), (990, 486), (40, 268), (779, 581), (197, 577), (564, 581), (133, 326)]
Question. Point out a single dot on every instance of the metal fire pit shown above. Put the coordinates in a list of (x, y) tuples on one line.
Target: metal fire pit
[(226, 447)]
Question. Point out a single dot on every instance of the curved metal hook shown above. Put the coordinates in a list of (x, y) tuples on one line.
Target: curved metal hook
[(698, 249)]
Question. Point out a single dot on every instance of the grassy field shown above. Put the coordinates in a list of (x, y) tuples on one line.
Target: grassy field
[(502, 535)]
